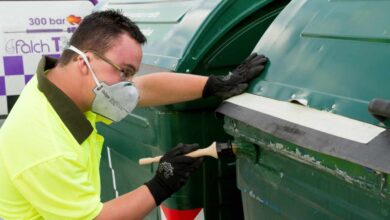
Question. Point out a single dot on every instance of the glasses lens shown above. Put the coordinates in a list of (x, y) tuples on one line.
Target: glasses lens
[(122, 73)]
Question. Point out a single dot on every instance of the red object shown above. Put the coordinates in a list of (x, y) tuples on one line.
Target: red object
[(72, 19), (172, 214)]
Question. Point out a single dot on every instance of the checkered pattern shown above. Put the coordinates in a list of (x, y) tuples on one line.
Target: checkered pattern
[(15, 75)]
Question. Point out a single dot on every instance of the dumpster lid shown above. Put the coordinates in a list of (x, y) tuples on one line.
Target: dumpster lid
[(169, 26), (331, 58), (333, 55), (320, 131)]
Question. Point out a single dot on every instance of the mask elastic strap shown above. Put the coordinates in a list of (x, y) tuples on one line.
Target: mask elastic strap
[(82, 54)]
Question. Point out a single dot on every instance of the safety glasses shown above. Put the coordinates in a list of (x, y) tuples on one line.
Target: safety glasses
[(125, 74)]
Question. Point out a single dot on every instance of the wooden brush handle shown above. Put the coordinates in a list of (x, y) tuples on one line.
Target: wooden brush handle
[(149, 160), (208, 151)]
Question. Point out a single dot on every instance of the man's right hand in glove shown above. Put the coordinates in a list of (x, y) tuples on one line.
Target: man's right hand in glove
[(173, 171)]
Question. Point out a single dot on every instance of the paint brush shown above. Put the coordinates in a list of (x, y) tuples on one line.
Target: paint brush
[(216, 150)]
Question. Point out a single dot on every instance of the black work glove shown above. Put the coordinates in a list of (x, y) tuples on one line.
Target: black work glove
[(173, 171), (236, 81)]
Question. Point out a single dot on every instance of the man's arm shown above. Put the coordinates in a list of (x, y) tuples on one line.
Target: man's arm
[(167, 88), (172, 173), (133, 205)]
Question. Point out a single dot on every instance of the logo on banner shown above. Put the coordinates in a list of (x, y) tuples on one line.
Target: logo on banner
[(20, 46), (15, 44), (73, 20)]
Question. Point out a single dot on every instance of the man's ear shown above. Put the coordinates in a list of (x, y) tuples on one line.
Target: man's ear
[(82, 65)]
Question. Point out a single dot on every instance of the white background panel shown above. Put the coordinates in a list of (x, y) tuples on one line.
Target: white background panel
[(14, 84), (3, 105)]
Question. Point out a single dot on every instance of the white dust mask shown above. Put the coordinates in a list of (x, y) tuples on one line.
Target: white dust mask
[(114, 101)]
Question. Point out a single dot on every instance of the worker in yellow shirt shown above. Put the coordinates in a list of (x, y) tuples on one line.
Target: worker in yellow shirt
[(49, 146)]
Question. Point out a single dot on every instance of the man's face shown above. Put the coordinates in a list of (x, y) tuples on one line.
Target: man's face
[(120, 62)]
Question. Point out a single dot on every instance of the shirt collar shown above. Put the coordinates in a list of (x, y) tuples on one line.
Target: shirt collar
[(66, 109)]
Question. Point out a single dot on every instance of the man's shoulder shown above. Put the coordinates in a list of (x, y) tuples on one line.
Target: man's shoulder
[(32, 119), (32, 133)]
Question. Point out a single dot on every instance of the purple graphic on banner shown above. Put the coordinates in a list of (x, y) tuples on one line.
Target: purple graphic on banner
[(13, 65), (94, 2), (71, 29), (43, 30), (2, 85), (57, 56), (27, 78)]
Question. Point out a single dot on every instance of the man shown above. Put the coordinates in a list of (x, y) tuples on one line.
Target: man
[(49, 147)]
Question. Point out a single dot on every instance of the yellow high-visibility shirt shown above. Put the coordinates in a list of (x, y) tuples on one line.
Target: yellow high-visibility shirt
[(49, 156)]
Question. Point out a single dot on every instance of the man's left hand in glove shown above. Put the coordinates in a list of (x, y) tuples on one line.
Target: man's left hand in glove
[(236, 81)]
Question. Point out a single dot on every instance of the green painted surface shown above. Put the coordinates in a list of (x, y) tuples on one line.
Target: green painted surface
[(203, 37), (155, 133), (279, 180), (169, 26), (332, 53), (335, 55)]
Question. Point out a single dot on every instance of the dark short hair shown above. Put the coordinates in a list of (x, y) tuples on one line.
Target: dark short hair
[(98, 31)]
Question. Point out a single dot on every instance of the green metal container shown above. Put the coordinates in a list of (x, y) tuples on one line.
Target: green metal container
[(202, 37), (309, 148)]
